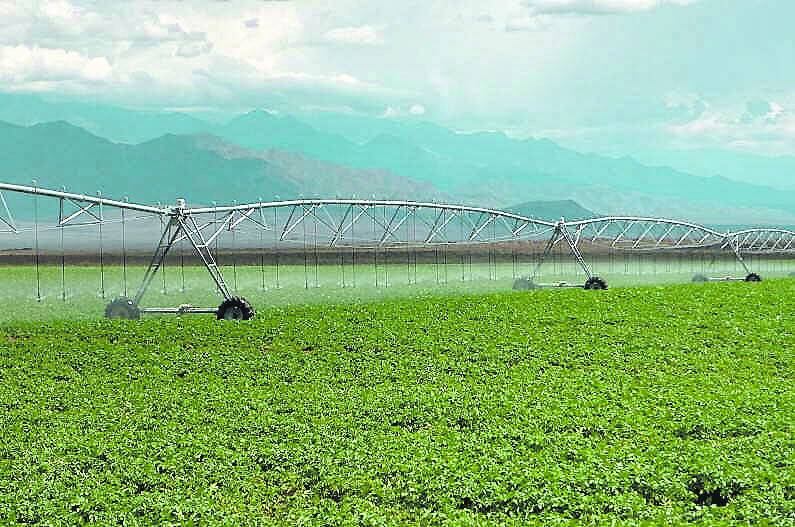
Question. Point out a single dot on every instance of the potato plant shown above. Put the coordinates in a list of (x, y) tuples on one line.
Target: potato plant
[(637, 406)]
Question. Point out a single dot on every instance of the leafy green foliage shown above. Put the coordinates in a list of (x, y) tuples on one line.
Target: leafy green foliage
[(636, 406)]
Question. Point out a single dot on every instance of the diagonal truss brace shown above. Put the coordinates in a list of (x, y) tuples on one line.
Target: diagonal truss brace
[(476, 231), (229, 222), (83, 209), (439, 225), (288, 227), (8, 220), (180, 227), (393, 227), (561, 233), (735, 247)]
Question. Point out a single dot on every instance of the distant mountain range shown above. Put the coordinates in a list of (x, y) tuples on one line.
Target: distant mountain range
[(117, 124), (778, 171), (59, 153), (200, 168), (553, 210), (151, 156), (491, 168)]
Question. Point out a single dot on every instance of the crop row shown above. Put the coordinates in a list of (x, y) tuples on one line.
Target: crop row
[(651, 405)]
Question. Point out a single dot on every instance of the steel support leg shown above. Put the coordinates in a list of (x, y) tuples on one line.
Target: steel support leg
[(575, 251), (711, 264), (548, 249), (196, 239), (736, 249), (562, 233), (176, 226), (164, 245)]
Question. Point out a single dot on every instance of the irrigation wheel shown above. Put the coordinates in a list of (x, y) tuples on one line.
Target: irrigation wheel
[(699, 278), (524, 283), (753, 277), (595, 283), (235, 308), (122, 308)]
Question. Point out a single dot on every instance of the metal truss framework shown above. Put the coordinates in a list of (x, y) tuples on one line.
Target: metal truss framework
[(387, 223)]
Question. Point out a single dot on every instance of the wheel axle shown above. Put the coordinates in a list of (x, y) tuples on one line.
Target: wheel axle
[(234, 308), (750, 277)]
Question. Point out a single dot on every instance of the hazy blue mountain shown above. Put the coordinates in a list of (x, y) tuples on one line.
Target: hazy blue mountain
[(60, 154), (494, 169), (361, 129), (316, 178), (553, 210), (116, 124), (262, 130), (776, 171), (486, 168), (200, 168)]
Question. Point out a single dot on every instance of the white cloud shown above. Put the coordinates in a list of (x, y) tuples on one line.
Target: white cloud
[(90, 25), (539, 14), (23, 64), (776, 111), (685, 106), (565, 71), (390, 112), (759, 110), (417, 109), (179, 53), (194, 48), (525, 23), (413, 110), (355, 35), (61, 11), (338, 80), (763, 127), (597, 7), (7, 9)]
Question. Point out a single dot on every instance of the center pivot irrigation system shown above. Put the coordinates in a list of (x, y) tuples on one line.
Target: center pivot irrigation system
[(362, 223)]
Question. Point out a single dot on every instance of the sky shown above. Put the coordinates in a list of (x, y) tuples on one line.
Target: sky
[(610, 76)]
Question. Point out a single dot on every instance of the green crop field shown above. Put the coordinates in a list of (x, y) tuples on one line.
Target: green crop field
[(635, 406)]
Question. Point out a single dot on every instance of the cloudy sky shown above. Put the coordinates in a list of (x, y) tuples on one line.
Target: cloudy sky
[(604, 75)]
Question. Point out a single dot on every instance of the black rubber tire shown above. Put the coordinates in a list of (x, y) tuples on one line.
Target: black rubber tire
[(236, 308), (700, 278), (595, 283), (753, 277), (122, 309), (524, 283)]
